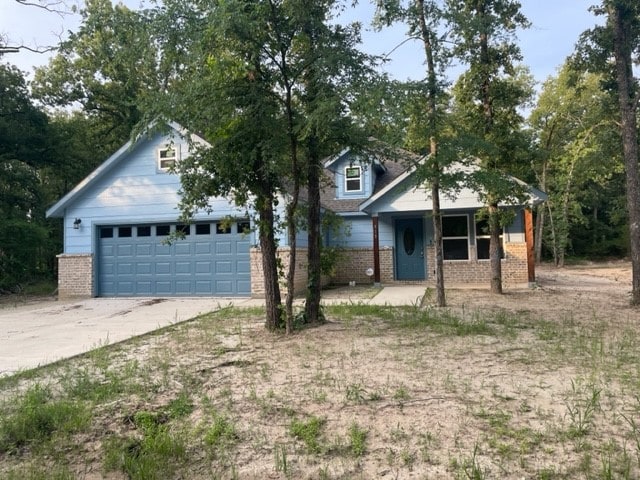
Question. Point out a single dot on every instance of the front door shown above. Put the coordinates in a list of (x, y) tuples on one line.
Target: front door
[(409, 249)]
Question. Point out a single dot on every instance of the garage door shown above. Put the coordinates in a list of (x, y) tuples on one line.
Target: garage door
[(211, 259)]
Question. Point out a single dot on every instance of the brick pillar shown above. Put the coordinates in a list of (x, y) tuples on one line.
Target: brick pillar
[(75, 275)]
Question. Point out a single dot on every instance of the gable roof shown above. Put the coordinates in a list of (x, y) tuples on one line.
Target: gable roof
[(57, 210), (389, 166), (534, 195)]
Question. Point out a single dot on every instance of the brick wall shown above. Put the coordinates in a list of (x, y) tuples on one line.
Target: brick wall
[(257, 277), (75, 275), (514, 266), (354, 262)]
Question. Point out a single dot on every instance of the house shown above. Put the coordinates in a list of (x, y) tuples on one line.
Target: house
[(117, 221)]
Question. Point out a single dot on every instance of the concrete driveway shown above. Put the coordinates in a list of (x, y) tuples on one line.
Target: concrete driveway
[(41, 333)]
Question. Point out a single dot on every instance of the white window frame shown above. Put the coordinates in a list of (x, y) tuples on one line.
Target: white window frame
[(164, 159), (488, 237), (466, 238), (347, 179)]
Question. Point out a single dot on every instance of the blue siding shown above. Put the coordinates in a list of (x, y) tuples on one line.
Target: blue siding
[(338, 169), (134, 190), (357, 232)]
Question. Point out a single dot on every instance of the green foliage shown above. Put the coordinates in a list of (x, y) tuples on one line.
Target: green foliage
[(35, 472), (37, 417), (309, 432), (357, 440), (157, 454), (221, 434)]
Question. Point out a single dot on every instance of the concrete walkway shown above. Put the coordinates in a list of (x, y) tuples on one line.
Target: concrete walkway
[(39, 333)]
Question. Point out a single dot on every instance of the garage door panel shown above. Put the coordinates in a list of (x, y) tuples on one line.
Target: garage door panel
[(206, 262), (183, 268), (163, 268), (243, 247), (243, 287), (183, 287), (203, 267), (144, 249), (202, 248), (223, 266), (243, 266), (223, 248), (144, 288), (224, 287), (125, 269)]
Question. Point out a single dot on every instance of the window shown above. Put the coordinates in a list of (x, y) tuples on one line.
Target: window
[(167, 157), (124, 232), (483, 239), (106, 232), (144, 231), (183, 229), (244, 227), (353, 179), (203, 228), (455, 237), (163, 230), (223, 228)]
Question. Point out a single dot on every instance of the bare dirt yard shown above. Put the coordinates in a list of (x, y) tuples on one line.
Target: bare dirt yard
[(537, 383)]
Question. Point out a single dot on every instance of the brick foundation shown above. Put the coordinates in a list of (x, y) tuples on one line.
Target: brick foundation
[(514, 266), (354, 262), (257, 276), (75, 275)]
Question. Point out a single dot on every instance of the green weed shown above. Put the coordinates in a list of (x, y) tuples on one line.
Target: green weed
[(309, 432), (37, 417), (357, 440)]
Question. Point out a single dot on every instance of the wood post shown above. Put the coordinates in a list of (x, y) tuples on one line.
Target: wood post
[(376, 251), (528, 236)]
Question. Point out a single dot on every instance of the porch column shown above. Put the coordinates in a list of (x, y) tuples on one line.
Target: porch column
[(528, 236), (376, 251)]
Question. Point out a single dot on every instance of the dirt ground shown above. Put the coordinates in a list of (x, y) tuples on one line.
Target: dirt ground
[(539, 383)]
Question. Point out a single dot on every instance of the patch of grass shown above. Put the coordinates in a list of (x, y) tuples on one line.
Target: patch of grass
[(221, 433), (38, 472), (36, 417), (181, 406), (357, 440), (158, 454), (582, 404), (309, 432), (351, 311)]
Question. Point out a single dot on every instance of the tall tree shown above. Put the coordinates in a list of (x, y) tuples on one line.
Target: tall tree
[(488, 95), (573, 126), (24, 146), (278, 67), (425, 20), (108, 67), (618, 42)]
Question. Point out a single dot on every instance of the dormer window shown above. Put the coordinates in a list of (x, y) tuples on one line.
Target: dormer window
[(167, 157), (353, 179)]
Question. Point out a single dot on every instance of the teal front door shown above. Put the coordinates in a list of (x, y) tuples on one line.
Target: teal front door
[(409, 249)]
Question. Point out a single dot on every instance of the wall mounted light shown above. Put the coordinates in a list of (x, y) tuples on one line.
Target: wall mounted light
[(76, 224)]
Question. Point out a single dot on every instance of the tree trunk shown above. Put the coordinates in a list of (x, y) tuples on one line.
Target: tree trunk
[(432, 88), (314, 273), (273, 302), (292, 207), (441, 300), (628, 106), (540, 217), (494, 249)]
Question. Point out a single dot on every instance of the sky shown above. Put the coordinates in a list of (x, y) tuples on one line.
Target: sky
[(556, 26)]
